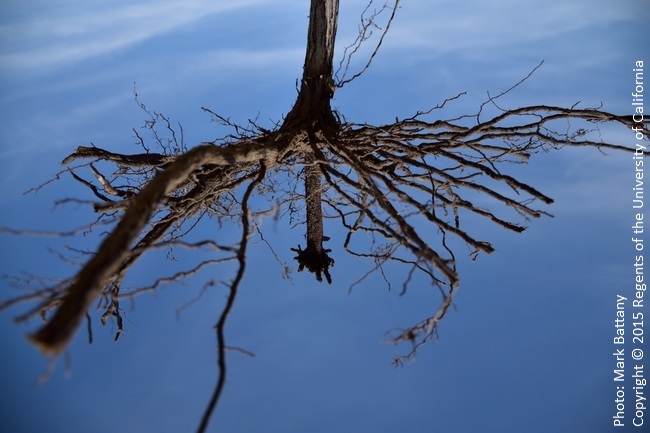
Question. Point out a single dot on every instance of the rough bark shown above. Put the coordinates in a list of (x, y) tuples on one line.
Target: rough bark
[(312, 110), (312, 114), (314, 257)]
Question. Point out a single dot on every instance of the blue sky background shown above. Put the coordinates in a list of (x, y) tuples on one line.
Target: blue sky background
[(528, 346)]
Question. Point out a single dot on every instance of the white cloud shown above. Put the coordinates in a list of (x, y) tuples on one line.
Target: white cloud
[(234, 59), (493, 24), (73, 33)]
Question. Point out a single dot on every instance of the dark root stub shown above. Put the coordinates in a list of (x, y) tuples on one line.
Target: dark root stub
[(317, 262)]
